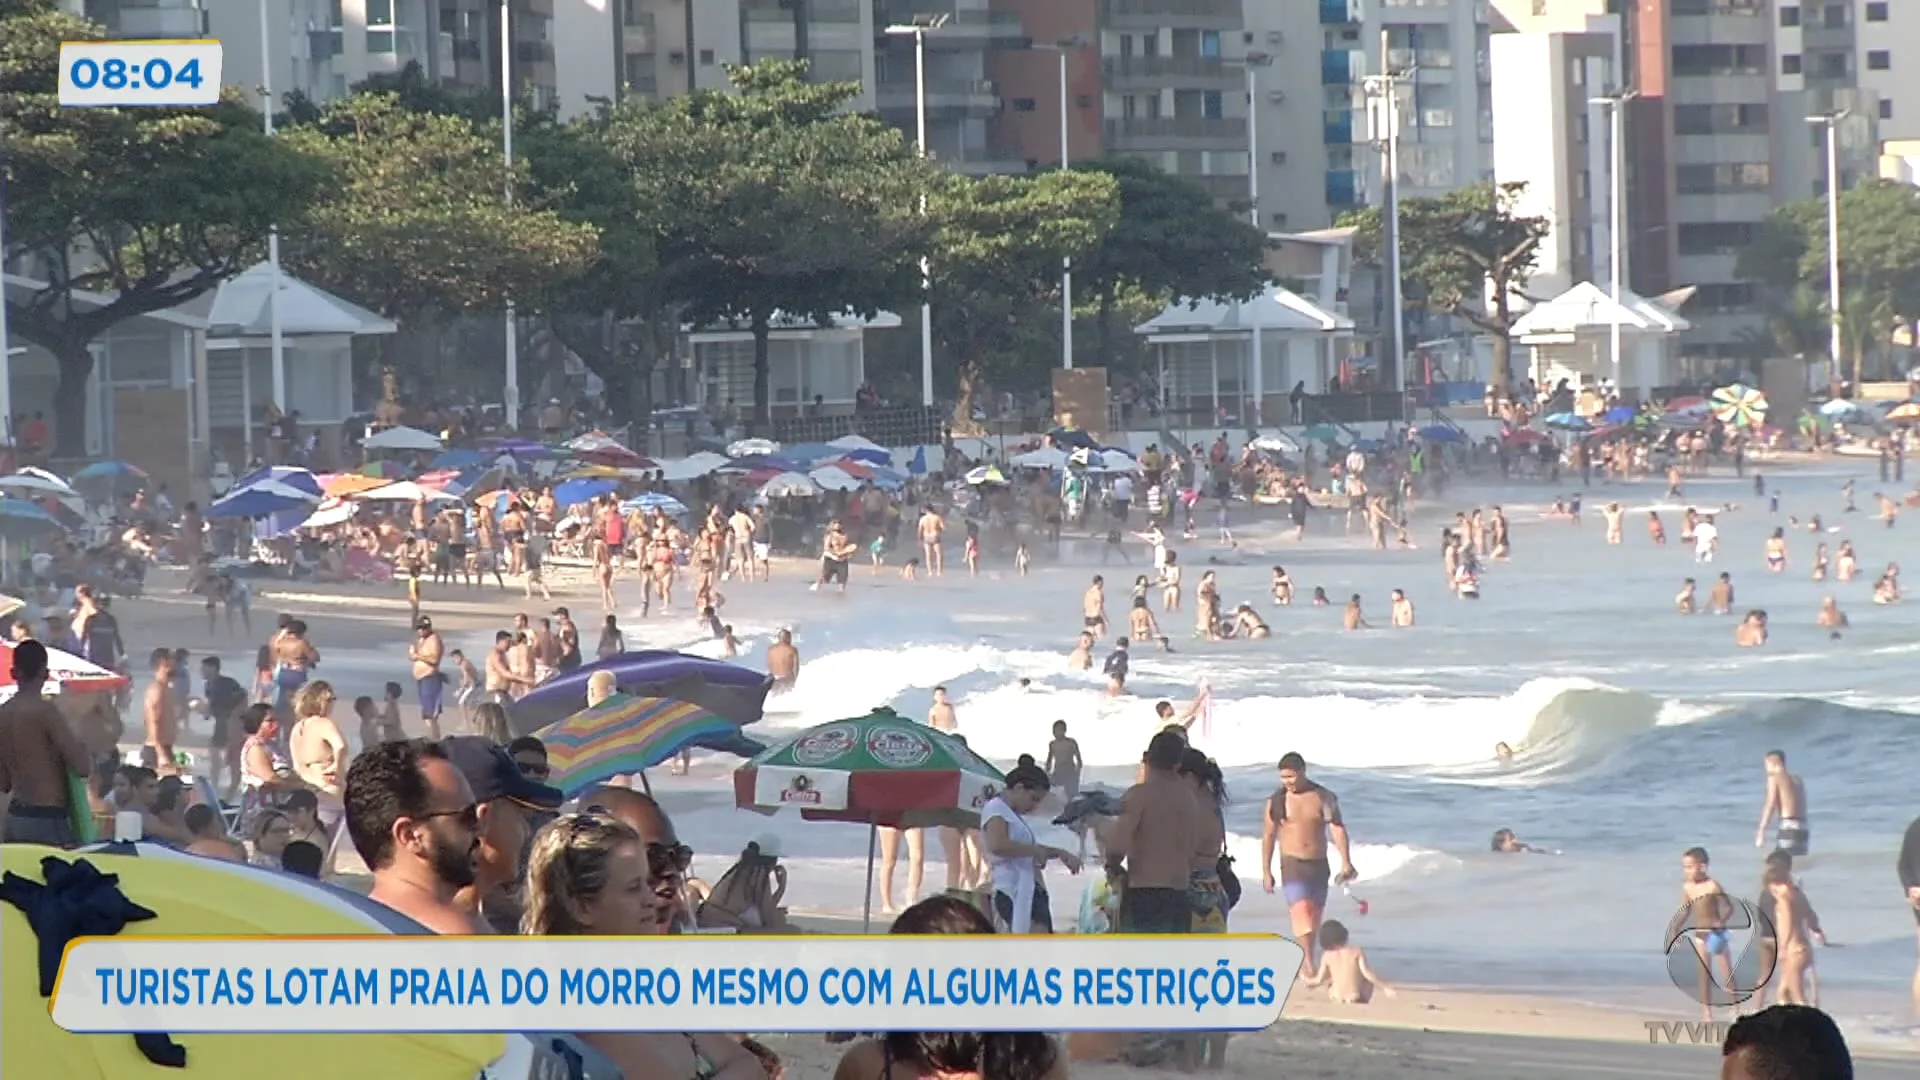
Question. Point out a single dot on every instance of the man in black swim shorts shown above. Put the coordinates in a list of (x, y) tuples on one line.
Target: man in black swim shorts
[(1300, 818)]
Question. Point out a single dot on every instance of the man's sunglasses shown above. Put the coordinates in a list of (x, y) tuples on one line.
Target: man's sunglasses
[(535, 770)]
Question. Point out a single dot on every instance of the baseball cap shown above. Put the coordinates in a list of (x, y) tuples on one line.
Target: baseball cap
[(492, 774)]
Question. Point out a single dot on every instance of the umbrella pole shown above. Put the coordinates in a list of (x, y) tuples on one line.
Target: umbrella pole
[(646, 787), (866, 917)]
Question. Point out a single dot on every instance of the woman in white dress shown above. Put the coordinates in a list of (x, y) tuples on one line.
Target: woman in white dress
[(1015, 857)]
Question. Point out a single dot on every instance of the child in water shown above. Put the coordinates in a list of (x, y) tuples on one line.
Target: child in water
[(1344, 970)]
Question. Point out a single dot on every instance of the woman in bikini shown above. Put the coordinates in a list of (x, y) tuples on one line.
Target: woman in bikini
[(589, 874), (319, 751), (1820, 562), (1777, 551)]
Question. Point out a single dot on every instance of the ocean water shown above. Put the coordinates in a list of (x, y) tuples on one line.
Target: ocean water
[(1639, 732)]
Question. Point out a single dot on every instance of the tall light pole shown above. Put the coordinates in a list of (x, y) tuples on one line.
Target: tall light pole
[(273, 235), (510, 394), (1832, 122), (1256, 379), (918, 31), (1616, 104), (1383, 98), (1062, 48)]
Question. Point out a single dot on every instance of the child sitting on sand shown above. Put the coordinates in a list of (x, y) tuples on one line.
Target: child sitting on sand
[(1343, 968)]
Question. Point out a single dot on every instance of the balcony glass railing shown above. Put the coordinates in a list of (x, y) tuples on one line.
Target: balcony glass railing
[(1341, 188), (1336, 67), (1335, 12), (1337, 129)]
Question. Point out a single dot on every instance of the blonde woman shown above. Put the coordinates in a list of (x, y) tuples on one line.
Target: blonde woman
[(490, 722), (588, 874), (318, 749)]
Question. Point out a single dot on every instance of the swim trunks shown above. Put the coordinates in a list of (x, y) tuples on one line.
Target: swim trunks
[(1715, 941), (1792, 837), (1305, 880)]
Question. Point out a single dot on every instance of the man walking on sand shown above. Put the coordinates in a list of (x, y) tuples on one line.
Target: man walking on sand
[(1298, 820)]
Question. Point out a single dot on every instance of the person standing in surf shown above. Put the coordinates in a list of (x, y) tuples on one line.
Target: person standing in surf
[(1787, 798), (1908, 867), (1299, 819)]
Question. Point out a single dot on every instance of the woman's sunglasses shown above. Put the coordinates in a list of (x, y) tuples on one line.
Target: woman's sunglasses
[(663, 859)]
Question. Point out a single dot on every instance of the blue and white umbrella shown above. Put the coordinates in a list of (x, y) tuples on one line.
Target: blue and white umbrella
[(1441, 433), (267, 492), (752, 447), (21, 519), (1567, 421), (575, 492), (655, 500), (1841, 407), (37, 482)]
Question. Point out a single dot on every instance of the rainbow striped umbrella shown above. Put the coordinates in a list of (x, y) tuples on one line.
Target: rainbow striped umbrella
[(624, 735)]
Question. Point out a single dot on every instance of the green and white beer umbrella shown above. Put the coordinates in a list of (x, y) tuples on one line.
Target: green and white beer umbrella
[(882, 769)]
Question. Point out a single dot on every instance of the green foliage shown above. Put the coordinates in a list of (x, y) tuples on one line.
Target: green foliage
[(776, 199), (1171, 240), (997, 260), (419, 220), (149, 206), (1459, 249)]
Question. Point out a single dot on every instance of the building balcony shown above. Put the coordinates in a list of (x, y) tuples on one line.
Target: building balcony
[(1343, 188), (638, 39), (973, 97), (1337, 67), (1336, 129), (1339, 12), (966, 27), (1171, 72), (1176, 133), (1178, 14), (159, 21)]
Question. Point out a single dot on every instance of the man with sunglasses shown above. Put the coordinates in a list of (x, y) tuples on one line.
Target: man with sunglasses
[(667, 858), (506, 800), (414, 820)]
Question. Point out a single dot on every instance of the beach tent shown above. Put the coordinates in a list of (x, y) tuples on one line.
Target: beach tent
[(402, 438), (691, 467)]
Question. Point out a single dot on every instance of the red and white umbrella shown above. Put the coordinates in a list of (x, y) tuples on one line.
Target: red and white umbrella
[(66, 671)]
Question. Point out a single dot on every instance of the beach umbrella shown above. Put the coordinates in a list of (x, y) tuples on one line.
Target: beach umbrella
[(1689, 403), (1843, 409), (37, 482), (1320, 433), (986, 474), (1566, 421), (752, 448), (834, 478), (655, 500), (576, 492), (190, 896), (406, 491), (114, 476), (736, 693), (329, 513), (341, 485), (1740, 405), (1277, 443), (1683, 421), (691, 467), (1047, 457), (459, 459), (1904, 413), (855, 443), (1440, 433), (789, 485), (68, 671), (753, 463), (1524, 437), (385, 470), (1620, 414), (24, 520), (882, 769), (261, 499), (403, 438), (624, 735)]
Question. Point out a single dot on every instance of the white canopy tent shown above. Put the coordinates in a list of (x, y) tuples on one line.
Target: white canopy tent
[(1571, 337), (1204, 349)]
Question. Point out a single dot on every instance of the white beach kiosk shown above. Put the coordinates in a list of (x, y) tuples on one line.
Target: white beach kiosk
[(1203, 349), (1571, 337)]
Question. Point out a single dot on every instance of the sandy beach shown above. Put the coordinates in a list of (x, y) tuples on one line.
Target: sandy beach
[(1430, 1030)]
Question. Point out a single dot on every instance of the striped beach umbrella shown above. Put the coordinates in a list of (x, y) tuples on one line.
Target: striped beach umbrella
[(624, 735), (1740, 405)]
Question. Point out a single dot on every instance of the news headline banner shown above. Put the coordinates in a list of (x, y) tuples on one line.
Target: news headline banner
[(1096, 982)]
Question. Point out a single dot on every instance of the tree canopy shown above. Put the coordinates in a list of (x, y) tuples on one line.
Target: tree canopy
[(1468, 253), (146, 208), (418, 219)]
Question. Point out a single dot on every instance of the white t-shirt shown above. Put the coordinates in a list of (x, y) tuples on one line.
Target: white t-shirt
[(1704, 536), (1014, 876), (1123, 489)]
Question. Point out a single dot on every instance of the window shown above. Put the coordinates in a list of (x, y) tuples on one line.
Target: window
[(1715, 237), (1210, 44), (1723, 179), (1877, 12), (1790, 16), (706, 57), (1719, 119), (1211, 105), (1126, 46), (379, 13), (1729, 297), (1083, 101), (1150, 45), (379, 42), (1834, 65), (1790, 64), (1129, 107), (1835, 16), (1719, 59), (1879, 60), (1023, 104), (1886, 109), (1277, 157), (1279, 220)]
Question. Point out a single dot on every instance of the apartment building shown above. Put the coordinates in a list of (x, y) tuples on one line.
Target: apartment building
[(1549, 135)]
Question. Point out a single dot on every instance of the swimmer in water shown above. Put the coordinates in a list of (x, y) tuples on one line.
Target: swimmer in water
[(1402, 610), (1248, 624), (1683, 600), (1820, 561), (1506, 843), (1613, 514), (1282, 587), (1081, 658), (1777, 551), (1320, 596), (1656, 531), (1720, 599), (1140, 622), (1703, 914), (1352, 619), (1503, 753), (1752, 630), (1831, 617)]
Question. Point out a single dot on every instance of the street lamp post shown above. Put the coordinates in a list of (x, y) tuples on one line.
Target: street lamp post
[(273, 236), (918, 31), (510, 394), (1832, 122), (1256, 379), (1616, 214), (1383, 96), (1062, 48)]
